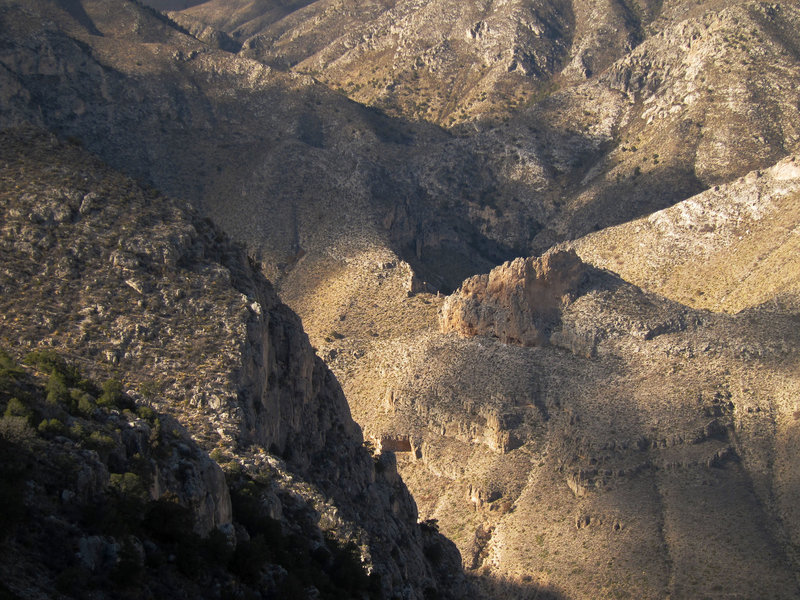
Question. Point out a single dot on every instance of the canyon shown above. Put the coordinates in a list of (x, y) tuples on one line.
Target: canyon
[(538, 262)]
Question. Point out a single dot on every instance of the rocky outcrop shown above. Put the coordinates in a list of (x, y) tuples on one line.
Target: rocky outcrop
[(518, 302)]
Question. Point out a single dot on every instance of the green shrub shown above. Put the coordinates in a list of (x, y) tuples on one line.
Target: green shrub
[(17, 430), (10, 372), (112, 394), (146, 413), (84, 403), (100, 442), (77, 432), (16, 408), (150, 390), (129, 484), (49, 361), (57, 390), (46, 361), (51, 428)]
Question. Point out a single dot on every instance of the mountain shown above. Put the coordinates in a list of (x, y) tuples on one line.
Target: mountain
[(545, 248), (131, 286)]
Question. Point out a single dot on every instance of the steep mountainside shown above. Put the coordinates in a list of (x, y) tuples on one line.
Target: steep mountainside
[(125, 281), (441, 61), (292, 168), (687, 95)]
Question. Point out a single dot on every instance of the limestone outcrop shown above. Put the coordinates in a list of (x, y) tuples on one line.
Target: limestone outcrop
[(518, 302)]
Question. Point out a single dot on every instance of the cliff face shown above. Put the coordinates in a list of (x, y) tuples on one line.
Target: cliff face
[(122, 280), (518, 302)]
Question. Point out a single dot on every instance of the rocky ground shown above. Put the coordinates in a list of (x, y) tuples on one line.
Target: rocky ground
[(617, 422)]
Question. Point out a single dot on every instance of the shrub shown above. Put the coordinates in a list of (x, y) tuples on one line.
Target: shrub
[(17, 430), (347, 572), (100, 442), (84, 404), (146, 413), (57, 390), (49, 361), (51, 428), (46, 361), (16, 408), (112, 394), (128, 484), (10, 372), (77, 432)]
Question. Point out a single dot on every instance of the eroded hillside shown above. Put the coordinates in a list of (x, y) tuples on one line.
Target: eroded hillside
[(636, 448), (599, 433), (127, 283)]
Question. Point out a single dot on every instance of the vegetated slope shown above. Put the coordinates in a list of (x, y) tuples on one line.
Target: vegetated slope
[(294, 169), (699, 102), (647, 102), (638, 448), (730, 248), (124, 281), (339, 210)]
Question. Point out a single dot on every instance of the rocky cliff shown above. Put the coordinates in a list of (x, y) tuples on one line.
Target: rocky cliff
[(123, 281), (518, 302)]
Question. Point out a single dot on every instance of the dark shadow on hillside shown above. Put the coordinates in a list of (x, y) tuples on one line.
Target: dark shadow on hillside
[(202, 144), (438, 198), (166, 5), (77, 12), (493, 588)]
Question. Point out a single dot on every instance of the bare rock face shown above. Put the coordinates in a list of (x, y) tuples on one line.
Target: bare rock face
[(518, 302)]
